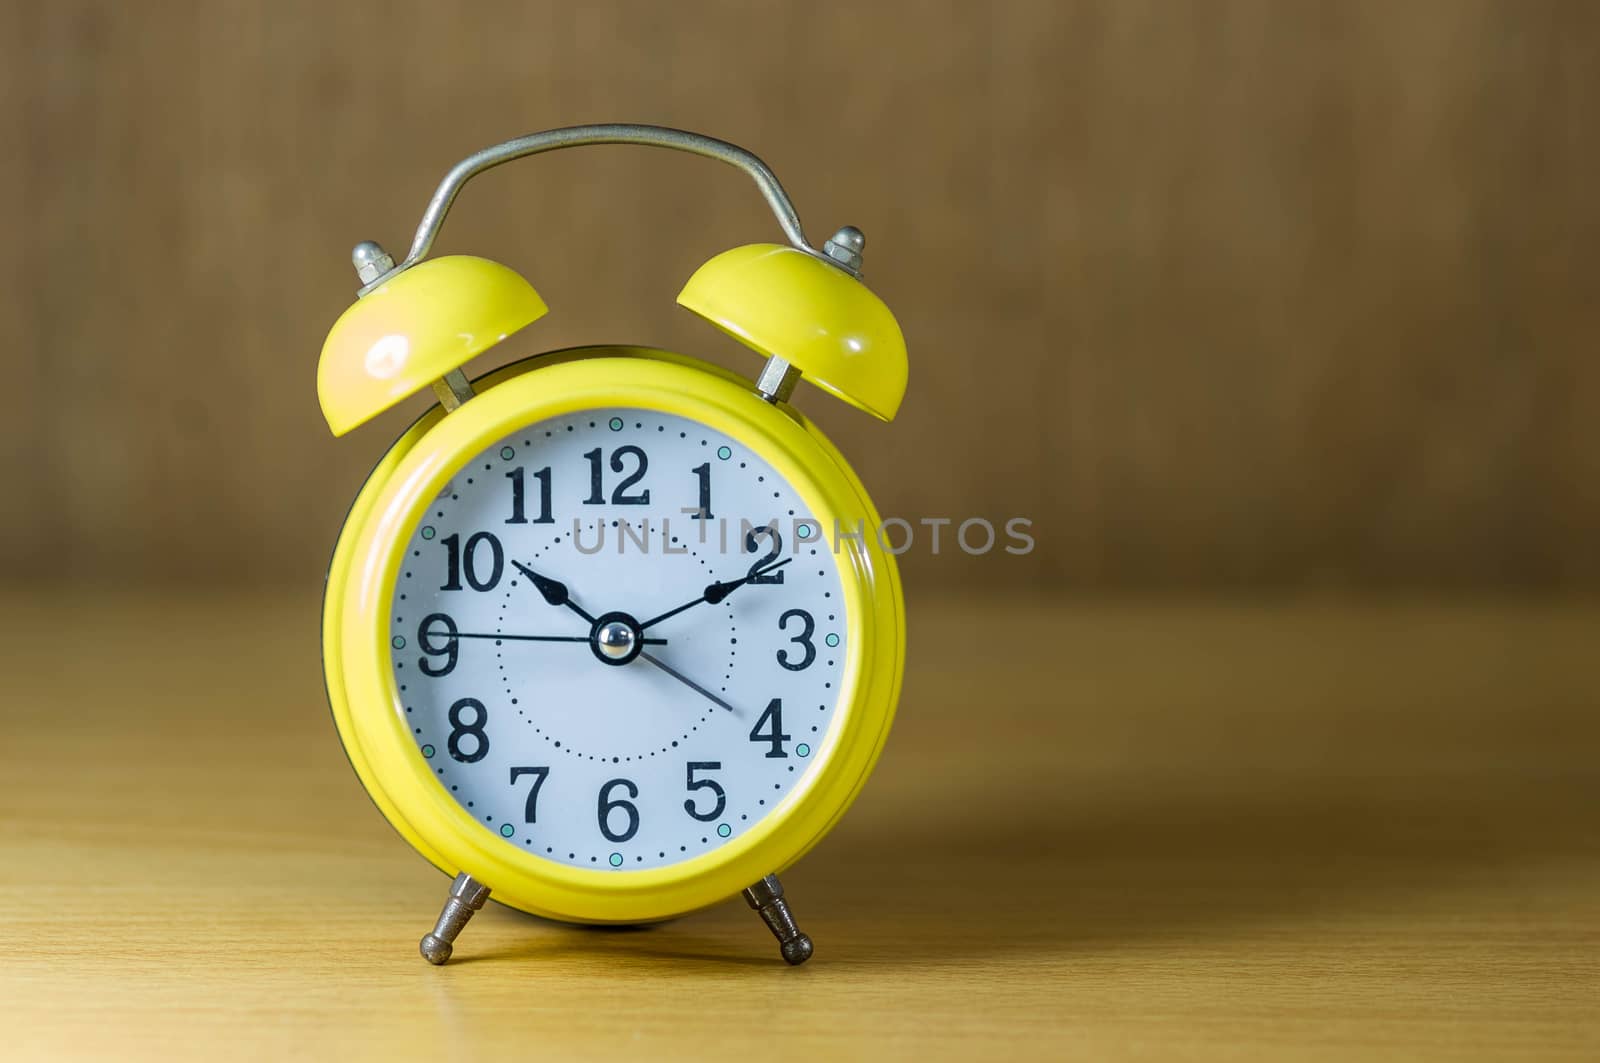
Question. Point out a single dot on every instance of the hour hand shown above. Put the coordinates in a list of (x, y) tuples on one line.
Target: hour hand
[(553, 590)]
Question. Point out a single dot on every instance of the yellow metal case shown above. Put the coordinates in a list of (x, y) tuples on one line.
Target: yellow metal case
[(361, 685)]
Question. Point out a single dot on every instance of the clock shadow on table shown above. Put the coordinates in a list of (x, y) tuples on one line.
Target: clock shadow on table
[(1097, 875), (1065, 872)]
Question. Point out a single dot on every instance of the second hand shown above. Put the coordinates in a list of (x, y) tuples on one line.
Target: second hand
[(539, 638), (686, 681)]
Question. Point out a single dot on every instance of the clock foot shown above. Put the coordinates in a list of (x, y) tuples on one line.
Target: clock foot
[(466, 896), (766, 897)]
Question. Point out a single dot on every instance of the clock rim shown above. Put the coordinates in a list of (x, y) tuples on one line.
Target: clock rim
[(362, 690)]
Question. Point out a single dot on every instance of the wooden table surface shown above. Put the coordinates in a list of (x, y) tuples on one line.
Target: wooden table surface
[(1101, 830)]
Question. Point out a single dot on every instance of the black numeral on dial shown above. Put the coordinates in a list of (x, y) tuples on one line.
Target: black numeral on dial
[(606, 805), (426, 634), (519, 496), (530, 811), (619, 494), (461, 728), (702, 473), (752, 543), (705, 784), (460, 562), (772, 721), (809, 628)]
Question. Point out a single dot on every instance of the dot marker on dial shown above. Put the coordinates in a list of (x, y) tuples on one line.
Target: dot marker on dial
[(616, 859), (723, 830), (427, 751), (724, 453), (428, 532), (616, 424), (802, 750), (507, 453), (507, 830)]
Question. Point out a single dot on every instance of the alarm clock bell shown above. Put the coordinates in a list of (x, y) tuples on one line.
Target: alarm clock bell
[(806, 309)]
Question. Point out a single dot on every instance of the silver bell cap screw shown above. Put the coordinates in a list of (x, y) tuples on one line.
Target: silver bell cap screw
[(371, 261), (845, 247)]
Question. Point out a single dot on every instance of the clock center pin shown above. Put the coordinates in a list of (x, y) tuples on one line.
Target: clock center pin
[(616, 638)]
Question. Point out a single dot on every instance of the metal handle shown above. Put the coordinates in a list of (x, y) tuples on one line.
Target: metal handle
[(609, 133)]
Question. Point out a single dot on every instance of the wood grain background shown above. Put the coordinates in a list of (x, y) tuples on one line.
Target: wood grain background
[(1245, 294)]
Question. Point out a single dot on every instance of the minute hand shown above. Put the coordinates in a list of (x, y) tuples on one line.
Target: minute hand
[(713, 594)]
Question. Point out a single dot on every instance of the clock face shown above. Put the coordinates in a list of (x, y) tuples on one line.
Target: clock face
[(618, 639)]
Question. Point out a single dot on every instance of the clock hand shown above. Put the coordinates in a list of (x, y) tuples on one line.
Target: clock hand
[(686, 681), (713, 594), (554, 591)]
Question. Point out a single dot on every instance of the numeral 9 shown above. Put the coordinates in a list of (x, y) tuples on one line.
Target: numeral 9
[(450, 650)]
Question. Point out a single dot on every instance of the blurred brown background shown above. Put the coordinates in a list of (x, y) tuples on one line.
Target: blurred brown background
[(1232, 298), (1247, 294)]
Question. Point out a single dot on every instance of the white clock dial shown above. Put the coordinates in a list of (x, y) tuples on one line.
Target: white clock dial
[(618, 639)]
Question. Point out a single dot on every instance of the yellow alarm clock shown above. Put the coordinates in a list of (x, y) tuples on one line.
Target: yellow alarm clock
[(609, 633)]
